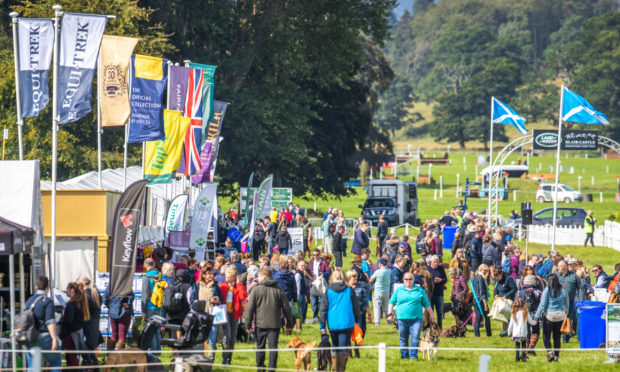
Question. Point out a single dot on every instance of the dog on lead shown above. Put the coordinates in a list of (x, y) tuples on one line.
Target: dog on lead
[(324, 357), (430, 340), (124, 359), (303, 355)]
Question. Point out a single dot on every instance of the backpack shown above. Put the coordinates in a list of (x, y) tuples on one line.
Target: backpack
[(173, 298), (545, 269), (506, 266), (26, 330), (157, 293), (530, 299), (332, 228)]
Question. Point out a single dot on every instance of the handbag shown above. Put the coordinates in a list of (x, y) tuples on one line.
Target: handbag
[(501, 309), (357, 335), (318, 286), (555, 316), (296, 309), (219, 314), (566, 326)]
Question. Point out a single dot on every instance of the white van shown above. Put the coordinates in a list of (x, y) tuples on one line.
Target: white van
[(546, 193)]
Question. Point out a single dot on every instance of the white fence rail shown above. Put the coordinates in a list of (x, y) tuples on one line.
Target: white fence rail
[(607, 235)]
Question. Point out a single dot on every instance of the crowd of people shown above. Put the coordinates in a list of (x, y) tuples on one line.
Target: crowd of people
[(272, 290)]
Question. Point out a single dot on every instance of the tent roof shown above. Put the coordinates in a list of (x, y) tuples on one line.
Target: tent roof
[(20, 235)]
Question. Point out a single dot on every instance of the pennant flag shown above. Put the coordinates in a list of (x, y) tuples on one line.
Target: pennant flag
[(177, 87), (35, 45), (190, 158), (205, 162), (577, 110), (208, 155), (148, 86), (204, 208), (504, 114), (162, 157), (218, 116), (125, 227), (263, 200), (175, 216), (113, 84), (208, 88), (80, 38)]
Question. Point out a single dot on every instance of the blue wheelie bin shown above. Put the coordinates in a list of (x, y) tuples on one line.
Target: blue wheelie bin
[(591, 324), (448, 236)]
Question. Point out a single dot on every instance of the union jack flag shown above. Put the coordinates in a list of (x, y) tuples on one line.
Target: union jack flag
[(190, 157)]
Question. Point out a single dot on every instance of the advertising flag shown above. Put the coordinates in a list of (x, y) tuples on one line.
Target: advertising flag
[(175, 216), (208, 89), (204, 208), (162, 157), (125, 227), (190, 158), (148, 87), (208, 155), (177, 87), (504, 114), (577, 110), (246, 213), (263, 201), (35, 44), (113, 84), (80, 39), (205, 162)]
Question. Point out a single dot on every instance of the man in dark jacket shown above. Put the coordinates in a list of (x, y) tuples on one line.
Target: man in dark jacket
[(360, 239), (267, 302), (338, 246), (271, 231), (286, 281), (283, 240), (382, 232), (43, 309), (475, 252), (439, 279)]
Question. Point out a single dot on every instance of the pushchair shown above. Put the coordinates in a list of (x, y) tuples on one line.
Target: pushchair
[(189, 335)]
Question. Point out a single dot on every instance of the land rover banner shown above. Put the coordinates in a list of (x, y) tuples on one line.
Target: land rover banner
[(125, 228), (571, 140)]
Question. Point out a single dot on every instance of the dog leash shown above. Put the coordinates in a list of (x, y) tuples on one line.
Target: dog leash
[(466, 321)]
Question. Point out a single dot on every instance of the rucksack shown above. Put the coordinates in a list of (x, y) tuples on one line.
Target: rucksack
[(545, 269), (332, 228), (26, 330), (506, 266), (174, 298), (157, 292), (530, 299)]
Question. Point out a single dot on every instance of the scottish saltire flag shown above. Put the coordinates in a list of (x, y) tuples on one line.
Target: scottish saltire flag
[(80, 38), (577, 110), (190, 160), (35, 45), (504, 114)]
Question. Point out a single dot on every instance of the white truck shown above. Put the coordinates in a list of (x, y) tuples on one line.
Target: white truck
[(396, 200)]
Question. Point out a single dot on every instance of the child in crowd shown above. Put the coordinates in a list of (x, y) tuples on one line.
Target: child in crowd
[(517, 329)]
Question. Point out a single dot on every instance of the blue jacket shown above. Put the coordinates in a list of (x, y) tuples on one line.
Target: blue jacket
[(548, 303), (475, 250), (545, 269), (148, 283), (396, 276), (339, 308), (286, 282), (116, 310), (359, 241), (506, 287)]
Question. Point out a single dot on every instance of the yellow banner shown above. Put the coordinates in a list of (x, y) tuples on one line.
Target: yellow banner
[(162, 158), (148, 67), (114, 80)]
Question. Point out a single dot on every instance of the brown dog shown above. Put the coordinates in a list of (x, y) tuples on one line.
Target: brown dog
[(114, 359), (301, 356), (430, 340)]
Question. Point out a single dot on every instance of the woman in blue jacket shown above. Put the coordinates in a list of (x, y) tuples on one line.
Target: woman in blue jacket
[(553, 309), (339, 311), (120, 310)]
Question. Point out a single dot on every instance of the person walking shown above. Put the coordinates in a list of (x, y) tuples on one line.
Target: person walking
[(553, 310), (320, 270), (410, 302), (339, 312), (459, 262), (459, 291), (234, 296), (362, 294), (120, 311), (209, 291), (588, 225), (265, 304), (505, 288), (307, 236), (75, 315), (91, 328), (439, 279), (328, 227), (271, 230), (339, 247), (283, 241), (149, 309), (475, 252), (45, 321), (481, 300), (530, 294), (382, 232), (571, 284), (360, 239), (518, 329), (286, 280), (382, 283)]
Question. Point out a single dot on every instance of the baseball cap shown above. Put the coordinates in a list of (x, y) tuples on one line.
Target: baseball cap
[(383, 261)]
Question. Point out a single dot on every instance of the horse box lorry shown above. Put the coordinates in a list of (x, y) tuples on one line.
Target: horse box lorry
[(396, 200)]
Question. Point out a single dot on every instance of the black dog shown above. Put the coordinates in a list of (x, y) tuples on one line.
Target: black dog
[(242, 333), (324, 357)]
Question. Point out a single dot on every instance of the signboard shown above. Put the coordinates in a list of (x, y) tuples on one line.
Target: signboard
[(297, 237), (280, 197), (613, 329), (571, 140)]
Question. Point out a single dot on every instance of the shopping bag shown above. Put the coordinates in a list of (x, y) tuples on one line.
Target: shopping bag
[(219, 314), (296, 309), (501, 309), (566, 326), (357, 336), (319, 286)]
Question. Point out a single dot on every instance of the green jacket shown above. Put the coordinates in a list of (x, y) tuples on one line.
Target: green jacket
[(267, 301)]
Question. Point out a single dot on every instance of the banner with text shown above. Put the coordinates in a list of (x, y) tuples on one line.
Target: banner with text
[(208, 155), (162, 157), (571, 140), (204, 208), (148, 86), (113, 84), (175, 216)]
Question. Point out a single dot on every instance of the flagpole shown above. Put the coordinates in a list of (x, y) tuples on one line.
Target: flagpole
[(99, 131), (490, 178), (20, 120), (557, 169), (186, 63), (126, 144), (52, 252)]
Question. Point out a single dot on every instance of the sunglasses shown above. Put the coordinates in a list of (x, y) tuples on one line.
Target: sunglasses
[(408, 279)]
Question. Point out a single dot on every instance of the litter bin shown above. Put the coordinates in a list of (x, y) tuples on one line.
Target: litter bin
[(448, 236), (591, 324)]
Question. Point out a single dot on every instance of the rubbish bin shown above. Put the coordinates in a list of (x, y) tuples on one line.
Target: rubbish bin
[(591, 324), (448, 236)]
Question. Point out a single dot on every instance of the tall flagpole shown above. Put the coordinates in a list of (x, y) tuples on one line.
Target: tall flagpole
[(126, 143), (186, 62), (490, 178), (52, 252), (557, 169), (99, 130), (20, 120)]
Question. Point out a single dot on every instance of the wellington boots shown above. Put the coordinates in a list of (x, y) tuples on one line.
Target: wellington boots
[(121, 345), (298, 325), (335, 364), (111, 345)]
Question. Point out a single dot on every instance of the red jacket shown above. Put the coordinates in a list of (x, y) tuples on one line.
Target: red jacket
[(240, 297)]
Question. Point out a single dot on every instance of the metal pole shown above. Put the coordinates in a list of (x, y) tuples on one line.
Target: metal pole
[(57, 14), (20, 120), (381, 367), (458, 176), (440, 186), (527, 241), (429, 173), (395, 167), (36, 359), (557, 169), (490, 162), (125, 145), (485, 361), (99, 130), (12, 308)]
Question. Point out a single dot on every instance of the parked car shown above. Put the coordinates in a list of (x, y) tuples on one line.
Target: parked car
[(567, 216), (546, 193)]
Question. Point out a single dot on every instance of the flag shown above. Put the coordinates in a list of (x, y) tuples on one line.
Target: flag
[(577, 110), (35, 45), (177, 87), (148, 86), (113, 84), (208, 88), (190, 157), (204, 208), (125, 227), (80, 38), (208, 155), (247, 203), (162, 157), (504, 114), (263, 200), (175, 216), (205, 161)]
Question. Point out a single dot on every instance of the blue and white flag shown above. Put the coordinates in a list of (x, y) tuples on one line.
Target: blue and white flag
[(80, 38), (504, 114), (577, 110), (35, 44)]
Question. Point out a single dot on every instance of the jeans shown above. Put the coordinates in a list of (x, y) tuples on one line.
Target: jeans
[(45, 343), (283, 251), (478, 318), (552, 329), (270, 337), (338, 258), (304, 306), (213, 336), (589, 236), (270, 244), (379, 305), (437, 305), (341, 337), (409, 330), (315, 305), (156, 340), (230, 336)]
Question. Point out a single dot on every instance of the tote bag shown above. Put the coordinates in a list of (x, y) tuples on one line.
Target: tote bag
[(219, 314)]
